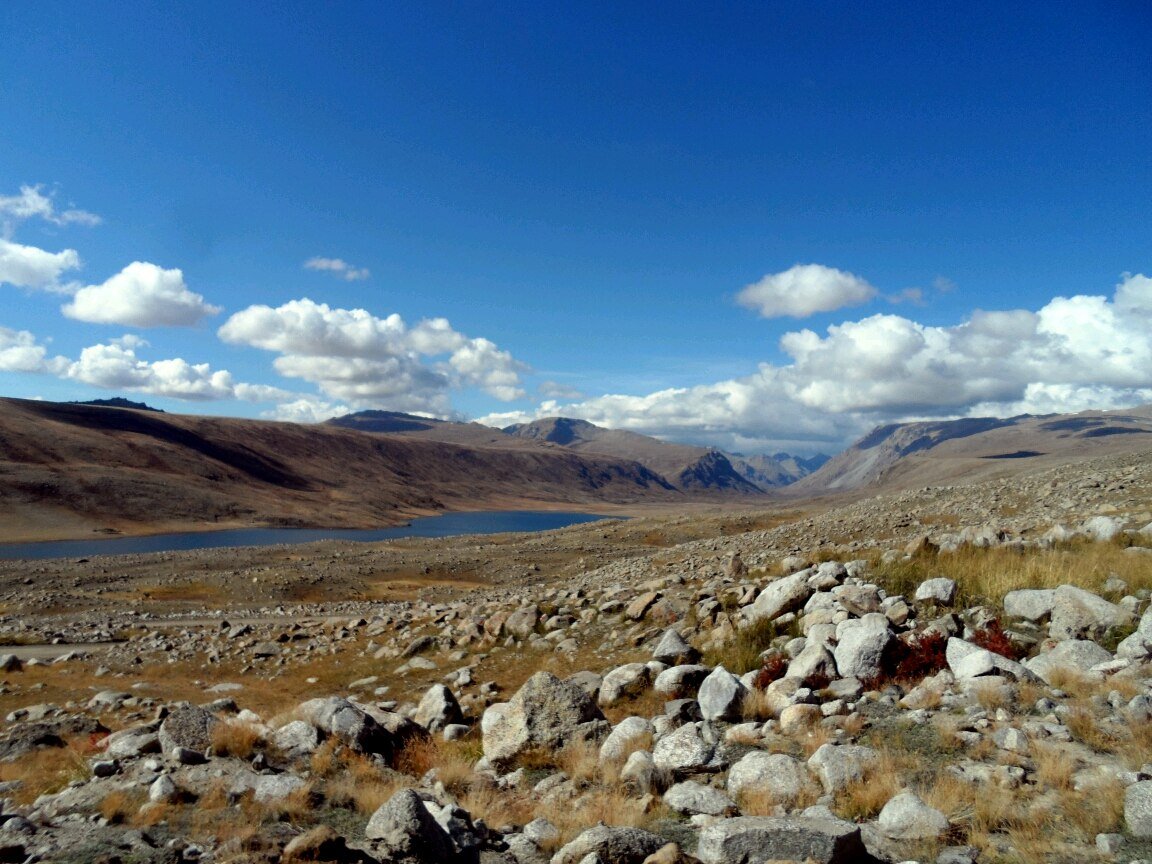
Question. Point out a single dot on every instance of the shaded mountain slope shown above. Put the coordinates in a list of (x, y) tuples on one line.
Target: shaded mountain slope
[(913, 454), (67, 468)]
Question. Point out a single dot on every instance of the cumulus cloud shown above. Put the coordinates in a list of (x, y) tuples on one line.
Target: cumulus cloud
[(338, 267), (29, 267), (804, 290), (140, 295), (356, 357), (31, 203), (20, 352), (1072, 354)]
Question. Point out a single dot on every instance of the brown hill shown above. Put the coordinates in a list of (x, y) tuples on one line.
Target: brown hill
[(906, 455), (68, 469)]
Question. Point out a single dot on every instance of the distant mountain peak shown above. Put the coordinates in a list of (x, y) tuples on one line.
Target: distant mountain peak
[(118, 402)]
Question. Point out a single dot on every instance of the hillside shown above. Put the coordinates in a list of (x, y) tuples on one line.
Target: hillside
[(685, 466), (66, 470), (913, 454)]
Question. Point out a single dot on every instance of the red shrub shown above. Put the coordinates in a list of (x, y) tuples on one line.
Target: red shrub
[(993, 638), (775, 667)]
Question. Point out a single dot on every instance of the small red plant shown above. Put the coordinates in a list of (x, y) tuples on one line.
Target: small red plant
[(774, 667), (992, 637)]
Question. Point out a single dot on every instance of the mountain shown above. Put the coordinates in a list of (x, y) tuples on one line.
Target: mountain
[(118, 402), (68, 469), (685, 466), (940, 452)]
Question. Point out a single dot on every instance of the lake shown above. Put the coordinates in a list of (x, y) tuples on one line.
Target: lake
[(447, 525)]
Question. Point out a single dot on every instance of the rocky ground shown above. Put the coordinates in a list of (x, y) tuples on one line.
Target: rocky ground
[(950, 674)]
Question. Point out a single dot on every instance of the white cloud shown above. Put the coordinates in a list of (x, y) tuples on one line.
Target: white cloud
[(31, 203), (115, 366), (140, 295), (356, 357), (20, 352), (804, 290), (307, 409), (29, 267), (1073, 354), (338, 267), (556, 390)]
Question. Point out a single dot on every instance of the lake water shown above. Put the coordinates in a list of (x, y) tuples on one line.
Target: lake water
[(447, 525)]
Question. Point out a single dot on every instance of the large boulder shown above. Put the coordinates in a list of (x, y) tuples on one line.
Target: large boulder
[(1077, 613), (786, 594), (941, 590), (349, 724), (1030, 604), (839, 765), (673, 649), (624, 738), (544, 712), (781, 778), (861, 645), (631, 679), (189, 727), (605, 843), (721, 696), (967, 660), (404, 831), (438, 709), (1138, 646), (1138, 809), (690, 797), (688, 750), (1073, 655), (760, 839), (907, 817), (678, 681)]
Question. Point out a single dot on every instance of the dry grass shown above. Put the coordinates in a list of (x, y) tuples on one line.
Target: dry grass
[(1085, 727), (120, 805), (865, 798), (986, 575), (237, 739), (1054, 766), (48, 769)]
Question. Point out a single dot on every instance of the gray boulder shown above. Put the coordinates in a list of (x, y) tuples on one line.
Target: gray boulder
[(690, 797), (1076, 655), (907, 817), (679, 681), (623, 739), (189, 727), (404, 830), (544, 712), (786, 594), (348, 723), (784, 779), (861, 645), (721, 696), (1138, 809), (940, 590), (760, 839), (839, 765), (688, 750), (1030, 604), (631, 679), (615, 845), (296, 739), (438, 708), (1138, 646), (673, 649), (1077, 613)]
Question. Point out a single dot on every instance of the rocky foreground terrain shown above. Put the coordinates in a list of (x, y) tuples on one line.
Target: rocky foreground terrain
[(948, 674)]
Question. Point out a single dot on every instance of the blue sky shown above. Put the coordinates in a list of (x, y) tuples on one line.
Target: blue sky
[(755, 225)]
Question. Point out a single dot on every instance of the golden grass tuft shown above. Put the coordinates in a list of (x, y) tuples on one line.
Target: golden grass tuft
[(48, 769), (866, 797), (121, 805), (236, 739)]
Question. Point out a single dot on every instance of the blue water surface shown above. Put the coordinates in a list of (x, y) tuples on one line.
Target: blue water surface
[(447, 525)]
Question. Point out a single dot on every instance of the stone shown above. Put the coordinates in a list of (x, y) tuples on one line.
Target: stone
[(639, 607), (679, 681), (438, 708), (136, 741), (786, 594), (839, 765), (861, 645), (967, 661), (1102, 528), (1077, 613), (1030, 604), (797, 718), (721, 695), (813, 660), (608, 844), (1138, 646), (760, 839), (403, 828), (690, 797), (624, 738), (941, 591), (688, 750), (544, 712), (162, 790), (907, 817), (189, 727), (522, 622), (858, 600), (349, 724), (318, 844), (1075, 655), (784, 779), (296, 739), (639, 771), (631, 679), (674, 650), (1138, 809)]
